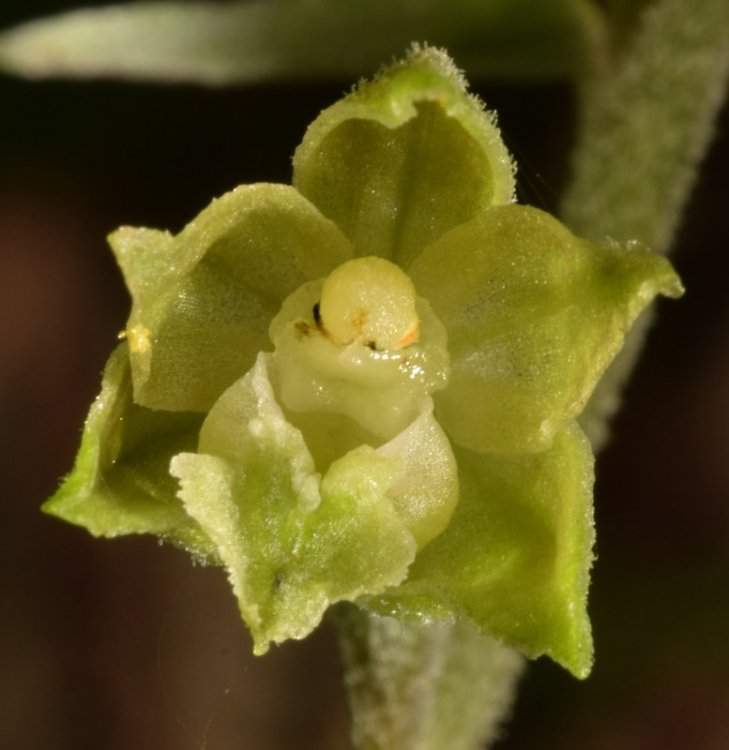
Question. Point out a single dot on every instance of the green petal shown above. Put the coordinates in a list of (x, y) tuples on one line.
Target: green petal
[(120, 483), (404, 158), (292, 543), (534, 315), (515, 558), (203, 300)]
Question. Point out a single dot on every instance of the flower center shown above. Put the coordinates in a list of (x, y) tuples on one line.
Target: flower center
[(359, 347), (370, 301)]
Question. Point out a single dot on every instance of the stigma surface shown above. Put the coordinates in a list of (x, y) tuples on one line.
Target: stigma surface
[(359, 345)]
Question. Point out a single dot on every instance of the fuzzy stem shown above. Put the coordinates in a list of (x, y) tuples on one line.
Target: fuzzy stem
[(423, 687)]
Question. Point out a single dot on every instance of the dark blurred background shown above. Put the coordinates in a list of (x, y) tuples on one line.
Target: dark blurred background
[(125, 644)]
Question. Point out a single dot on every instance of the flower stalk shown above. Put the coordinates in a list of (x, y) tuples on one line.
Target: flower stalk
[(424, 687)]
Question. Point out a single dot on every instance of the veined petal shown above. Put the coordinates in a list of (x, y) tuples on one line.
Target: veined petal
[(515, 558), (405, 158), (534, 315), (120, 483), (203, 300), (293, 542)]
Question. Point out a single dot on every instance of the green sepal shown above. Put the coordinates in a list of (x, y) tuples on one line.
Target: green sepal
[(515, 558), (202, 301), (293, 542), (534, 316), (404, 158), (120, 483)]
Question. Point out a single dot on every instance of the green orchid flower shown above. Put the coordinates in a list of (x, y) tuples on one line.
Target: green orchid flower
[(365, 386)]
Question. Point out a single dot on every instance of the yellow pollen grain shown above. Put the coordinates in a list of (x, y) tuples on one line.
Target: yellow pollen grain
[(139, 339)]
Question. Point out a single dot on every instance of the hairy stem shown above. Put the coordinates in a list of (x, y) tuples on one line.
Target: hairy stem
[(423, 687)]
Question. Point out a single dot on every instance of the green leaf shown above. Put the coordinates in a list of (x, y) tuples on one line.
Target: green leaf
[(234, 42), (404, 158), (534, 315), (203, 300), (121, 483), (292, 543), (645, 127), (515, 558)]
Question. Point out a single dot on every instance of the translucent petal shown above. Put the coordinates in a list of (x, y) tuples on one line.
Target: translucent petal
[(404, 159), (121, 482), (426, 493), (203, 300), (292, 543), (534, 315), (515, 558)]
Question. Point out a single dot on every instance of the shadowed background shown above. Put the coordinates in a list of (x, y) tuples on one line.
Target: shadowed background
[(124, 644)]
